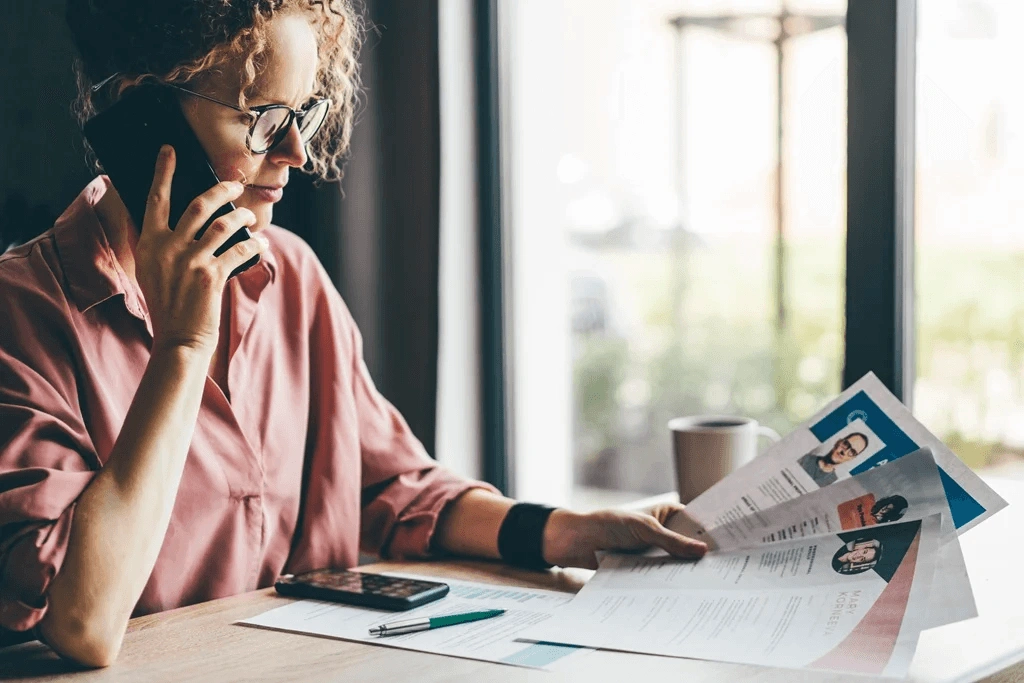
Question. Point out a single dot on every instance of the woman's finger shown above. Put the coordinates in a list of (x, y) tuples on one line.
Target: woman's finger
[(671, 542), (222, 229), (664, 512), (242, 252), (202, 207), (158, 202)]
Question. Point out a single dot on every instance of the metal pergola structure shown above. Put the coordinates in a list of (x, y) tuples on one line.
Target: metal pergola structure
[(777, 29)]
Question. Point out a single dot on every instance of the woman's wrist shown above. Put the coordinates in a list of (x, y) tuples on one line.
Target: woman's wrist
[(559, 535), (183, 359), (186, 354), (521, 535)]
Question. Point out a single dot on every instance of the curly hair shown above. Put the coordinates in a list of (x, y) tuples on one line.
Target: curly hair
[(182, 41)]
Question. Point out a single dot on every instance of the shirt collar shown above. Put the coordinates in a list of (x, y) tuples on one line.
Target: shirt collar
[(91, 267), (93, 272)]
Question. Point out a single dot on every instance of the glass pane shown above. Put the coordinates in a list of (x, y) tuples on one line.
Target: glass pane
[(642, 142), (969, 243)]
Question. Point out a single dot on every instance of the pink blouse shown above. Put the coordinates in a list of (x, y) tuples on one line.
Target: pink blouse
[(305, 466)]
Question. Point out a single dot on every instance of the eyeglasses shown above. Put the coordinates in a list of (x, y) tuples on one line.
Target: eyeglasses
[(271, 122)]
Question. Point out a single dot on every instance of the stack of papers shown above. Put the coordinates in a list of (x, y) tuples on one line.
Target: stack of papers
[(815, 565)]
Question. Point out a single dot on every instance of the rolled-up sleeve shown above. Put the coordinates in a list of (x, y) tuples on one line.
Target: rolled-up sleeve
[(404, 489), (46, 461)]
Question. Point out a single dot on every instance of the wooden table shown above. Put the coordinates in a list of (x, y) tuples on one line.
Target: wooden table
[(201, 642)]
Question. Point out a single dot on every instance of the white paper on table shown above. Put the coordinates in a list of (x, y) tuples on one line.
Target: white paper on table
[(780, 605), (911, 482), (867, 407), (491, 640)]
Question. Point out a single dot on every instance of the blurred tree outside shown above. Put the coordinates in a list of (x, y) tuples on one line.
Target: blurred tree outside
[(726, 360), (730, 360)]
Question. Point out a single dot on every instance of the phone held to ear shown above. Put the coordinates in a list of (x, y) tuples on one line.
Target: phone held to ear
[(127, 137)]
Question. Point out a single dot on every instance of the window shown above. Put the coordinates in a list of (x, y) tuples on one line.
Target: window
[(969, 240), (657, 268)]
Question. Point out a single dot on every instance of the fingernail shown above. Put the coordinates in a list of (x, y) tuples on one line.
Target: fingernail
[(165, 150)]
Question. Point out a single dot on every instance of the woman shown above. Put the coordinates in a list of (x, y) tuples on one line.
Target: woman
[(168, 435)]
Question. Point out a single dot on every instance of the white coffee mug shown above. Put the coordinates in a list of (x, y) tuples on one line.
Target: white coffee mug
[(708, 447)]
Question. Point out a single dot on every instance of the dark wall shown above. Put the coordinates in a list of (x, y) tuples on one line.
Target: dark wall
[(42, 163)]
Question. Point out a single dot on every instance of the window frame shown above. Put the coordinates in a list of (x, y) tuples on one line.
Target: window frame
[(879, 293), (879, 327), (497, 462)]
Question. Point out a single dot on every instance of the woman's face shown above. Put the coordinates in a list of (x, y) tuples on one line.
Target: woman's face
[(289, 78), (859, 556), (884, 511)]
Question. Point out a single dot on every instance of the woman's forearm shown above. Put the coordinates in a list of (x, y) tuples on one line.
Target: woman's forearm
[(121, 518), (470, 524)]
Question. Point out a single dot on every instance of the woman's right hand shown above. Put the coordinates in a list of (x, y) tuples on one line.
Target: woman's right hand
[(121, 517), (181, 279)]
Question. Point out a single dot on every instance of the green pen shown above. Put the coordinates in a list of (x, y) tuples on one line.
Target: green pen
[(427, 623)]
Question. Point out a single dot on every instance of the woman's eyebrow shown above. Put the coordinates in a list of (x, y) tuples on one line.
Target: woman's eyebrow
[(260, 99)]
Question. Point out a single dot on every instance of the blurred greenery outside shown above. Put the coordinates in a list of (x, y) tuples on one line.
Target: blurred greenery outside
[(656, 334), (728, 358), (970, 350)]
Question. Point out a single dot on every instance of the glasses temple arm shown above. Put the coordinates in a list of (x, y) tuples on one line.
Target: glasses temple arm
[(207, 97)]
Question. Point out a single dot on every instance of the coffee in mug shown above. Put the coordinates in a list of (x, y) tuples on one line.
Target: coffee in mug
[(706, 448)]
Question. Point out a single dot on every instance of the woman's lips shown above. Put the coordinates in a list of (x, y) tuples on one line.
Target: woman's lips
[(267, 194)]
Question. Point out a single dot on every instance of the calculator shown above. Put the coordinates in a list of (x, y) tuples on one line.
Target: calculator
[(361, 588)]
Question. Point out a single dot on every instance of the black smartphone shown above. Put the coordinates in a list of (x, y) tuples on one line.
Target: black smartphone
[(127, 137), (361, 588)]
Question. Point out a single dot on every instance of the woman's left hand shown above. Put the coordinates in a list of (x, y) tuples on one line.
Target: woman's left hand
[(572, 538)]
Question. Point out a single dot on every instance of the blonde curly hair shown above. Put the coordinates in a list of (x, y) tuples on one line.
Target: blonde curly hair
[(189, 41)]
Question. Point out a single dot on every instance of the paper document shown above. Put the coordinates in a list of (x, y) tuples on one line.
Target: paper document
[(866, 426), (905, 489), (854, 601), (491, 640)]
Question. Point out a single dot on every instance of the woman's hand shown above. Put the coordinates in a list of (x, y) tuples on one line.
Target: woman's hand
[(572, 538), (181, 279), (122, 516)]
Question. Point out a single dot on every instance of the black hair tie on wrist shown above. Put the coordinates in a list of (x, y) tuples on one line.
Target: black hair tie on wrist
[(521, 536)]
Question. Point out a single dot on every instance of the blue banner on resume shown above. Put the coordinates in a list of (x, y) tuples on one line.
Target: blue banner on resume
[(962, 505)]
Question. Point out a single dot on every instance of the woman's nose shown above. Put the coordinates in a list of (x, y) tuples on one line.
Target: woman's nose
[(292, 149)]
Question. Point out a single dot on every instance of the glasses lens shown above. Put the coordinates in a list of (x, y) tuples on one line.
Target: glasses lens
[(312, 118), (269, 127)]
